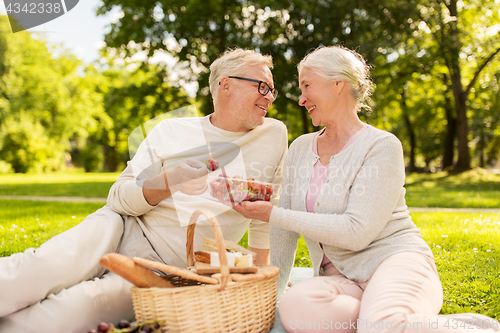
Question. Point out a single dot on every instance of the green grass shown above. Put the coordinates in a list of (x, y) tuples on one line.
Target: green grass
[(27, 224), (71, 184), (466, 247), (477, 188)]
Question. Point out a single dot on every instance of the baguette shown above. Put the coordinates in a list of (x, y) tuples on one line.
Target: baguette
[(138, 275)]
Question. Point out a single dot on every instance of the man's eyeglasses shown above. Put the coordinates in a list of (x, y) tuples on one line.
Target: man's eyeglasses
[(263, 87)]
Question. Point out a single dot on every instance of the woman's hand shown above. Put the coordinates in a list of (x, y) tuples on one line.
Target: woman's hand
[(257, 210)]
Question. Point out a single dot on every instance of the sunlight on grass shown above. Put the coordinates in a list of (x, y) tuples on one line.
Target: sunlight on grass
[(78, 184), (27, 224), (466, 248), (476, 188)]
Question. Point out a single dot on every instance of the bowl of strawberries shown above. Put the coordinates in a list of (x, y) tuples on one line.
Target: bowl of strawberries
[(237, 189)]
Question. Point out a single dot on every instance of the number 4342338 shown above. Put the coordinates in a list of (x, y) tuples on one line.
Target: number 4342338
[(34, 8)]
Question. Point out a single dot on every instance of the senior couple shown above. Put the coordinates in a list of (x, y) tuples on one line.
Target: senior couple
[(342, 189)]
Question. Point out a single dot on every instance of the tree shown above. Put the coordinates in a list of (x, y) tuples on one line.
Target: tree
[(463, 51), (453, 40), (199, 31), (43, 102), (131, 95)]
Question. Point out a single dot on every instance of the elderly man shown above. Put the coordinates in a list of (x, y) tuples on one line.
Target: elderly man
[(60, 287)]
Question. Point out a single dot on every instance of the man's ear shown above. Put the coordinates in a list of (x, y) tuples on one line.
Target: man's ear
[(224, 85)]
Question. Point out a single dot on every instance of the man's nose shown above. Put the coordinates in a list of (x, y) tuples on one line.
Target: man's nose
[(269, 96)]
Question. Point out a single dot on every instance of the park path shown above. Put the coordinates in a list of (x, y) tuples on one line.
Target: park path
[(103, 200)]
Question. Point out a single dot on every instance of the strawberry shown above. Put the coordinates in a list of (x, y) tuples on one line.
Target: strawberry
[(215, 186), (265, 189), (212, 164)]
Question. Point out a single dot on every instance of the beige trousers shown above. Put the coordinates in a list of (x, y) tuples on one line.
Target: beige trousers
[(404, 294)]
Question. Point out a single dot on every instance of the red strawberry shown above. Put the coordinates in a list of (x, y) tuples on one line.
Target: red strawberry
[(257, 188), (212, 164), (265, 189), (215, 186)]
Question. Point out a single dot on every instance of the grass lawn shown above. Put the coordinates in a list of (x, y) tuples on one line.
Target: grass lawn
[(476, 188), (27, 224), (473, 189), (71, 184), (466, 247)]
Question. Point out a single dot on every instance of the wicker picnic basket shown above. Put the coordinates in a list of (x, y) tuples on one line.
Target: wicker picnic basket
[(198, 303)]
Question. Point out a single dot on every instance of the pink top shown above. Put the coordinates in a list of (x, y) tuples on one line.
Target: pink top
[(318, 178)]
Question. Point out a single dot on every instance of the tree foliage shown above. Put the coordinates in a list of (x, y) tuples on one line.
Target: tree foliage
[(49, 109), (43, 102), (427, 55), (435, 64)]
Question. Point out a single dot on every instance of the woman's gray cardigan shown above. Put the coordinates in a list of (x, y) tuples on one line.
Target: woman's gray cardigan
[(360, 215)]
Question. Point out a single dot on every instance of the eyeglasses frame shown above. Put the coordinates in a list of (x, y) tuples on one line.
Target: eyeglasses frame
[(268, 88)]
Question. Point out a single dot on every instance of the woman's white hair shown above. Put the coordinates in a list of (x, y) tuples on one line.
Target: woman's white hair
[(233, 62), (340, 63)]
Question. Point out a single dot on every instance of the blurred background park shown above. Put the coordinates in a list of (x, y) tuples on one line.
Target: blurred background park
[(436, 66), (65, 121)]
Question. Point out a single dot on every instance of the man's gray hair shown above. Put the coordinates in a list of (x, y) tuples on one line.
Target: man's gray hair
[(233, 62)]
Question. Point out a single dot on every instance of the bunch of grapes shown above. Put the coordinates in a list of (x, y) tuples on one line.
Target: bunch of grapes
[(124, 326)]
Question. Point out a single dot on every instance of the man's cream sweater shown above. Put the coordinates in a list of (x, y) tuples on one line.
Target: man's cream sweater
[(360, 215), (258, 153)]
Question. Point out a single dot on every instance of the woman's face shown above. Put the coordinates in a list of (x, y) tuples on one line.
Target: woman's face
[(319, 96)]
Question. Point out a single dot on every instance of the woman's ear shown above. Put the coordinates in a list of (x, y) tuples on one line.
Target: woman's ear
[(339, 86)]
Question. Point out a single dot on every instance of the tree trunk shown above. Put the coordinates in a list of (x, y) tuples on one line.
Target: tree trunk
[(451, 130), (411, 134), (481, 144), (463, 161)]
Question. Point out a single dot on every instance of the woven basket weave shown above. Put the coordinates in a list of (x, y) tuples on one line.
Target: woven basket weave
[(193, 306)]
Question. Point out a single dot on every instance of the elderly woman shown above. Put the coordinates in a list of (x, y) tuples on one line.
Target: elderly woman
[(343, 191)]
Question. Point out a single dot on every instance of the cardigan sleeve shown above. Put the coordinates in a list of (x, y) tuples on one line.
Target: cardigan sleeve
[(371, 202)]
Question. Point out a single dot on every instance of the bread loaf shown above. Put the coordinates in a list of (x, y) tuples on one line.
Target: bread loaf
[(140, 276)]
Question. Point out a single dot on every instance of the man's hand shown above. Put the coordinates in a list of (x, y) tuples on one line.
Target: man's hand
[(189, 177)]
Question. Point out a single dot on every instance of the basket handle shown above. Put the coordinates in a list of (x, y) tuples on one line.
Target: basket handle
[(219, 239)]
